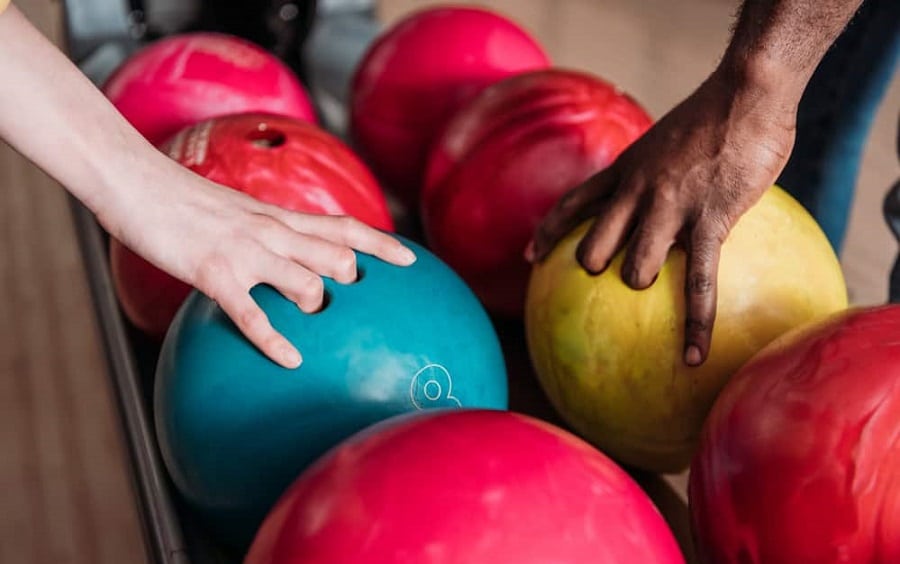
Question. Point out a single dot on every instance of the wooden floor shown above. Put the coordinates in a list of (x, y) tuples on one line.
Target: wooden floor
[(66, 496)]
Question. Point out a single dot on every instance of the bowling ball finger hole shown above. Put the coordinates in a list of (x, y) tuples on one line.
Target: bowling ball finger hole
[(360, 274), (326, 301), (267, 138)]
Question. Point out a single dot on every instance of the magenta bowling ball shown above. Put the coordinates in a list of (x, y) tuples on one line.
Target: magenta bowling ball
[(181, 80), (464, 487), (418, 73)]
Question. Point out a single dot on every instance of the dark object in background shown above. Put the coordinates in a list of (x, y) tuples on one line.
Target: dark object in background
[(100, 33), (280, 26)]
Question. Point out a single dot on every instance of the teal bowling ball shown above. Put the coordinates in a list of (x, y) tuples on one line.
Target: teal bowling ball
[(235, 429)]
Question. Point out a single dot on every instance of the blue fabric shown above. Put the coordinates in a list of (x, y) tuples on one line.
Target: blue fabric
[(836, 114)]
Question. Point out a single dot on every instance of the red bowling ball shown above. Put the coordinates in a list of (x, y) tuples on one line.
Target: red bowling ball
[(800, 457), (184, 79), (463, 487), (277, 160), (419, 73), (505, 159)]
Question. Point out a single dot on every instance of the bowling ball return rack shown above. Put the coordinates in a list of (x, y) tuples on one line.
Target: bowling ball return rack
[(321, 40)]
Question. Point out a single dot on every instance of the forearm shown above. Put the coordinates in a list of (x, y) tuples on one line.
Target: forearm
[(777, 44), (52, 114)]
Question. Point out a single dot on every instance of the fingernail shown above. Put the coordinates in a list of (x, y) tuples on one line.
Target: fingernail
[(529, 252), (405, 256), (290, 357), (692, 355), (595, 271)]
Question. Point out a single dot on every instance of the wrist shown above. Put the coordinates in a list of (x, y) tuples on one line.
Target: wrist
[(762, 82), (760, 59), (128, 170)]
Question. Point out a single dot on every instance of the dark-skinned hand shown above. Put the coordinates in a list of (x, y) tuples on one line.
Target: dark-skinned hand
[(686, 181)]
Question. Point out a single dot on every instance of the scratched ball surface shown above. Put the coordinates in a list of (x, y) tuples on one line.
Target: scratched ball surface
[(461, 487), (800, 458), (235, 429)]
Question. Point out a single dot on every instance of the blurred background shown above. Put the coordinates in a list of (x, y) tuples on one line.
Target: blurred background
[(63, 474)]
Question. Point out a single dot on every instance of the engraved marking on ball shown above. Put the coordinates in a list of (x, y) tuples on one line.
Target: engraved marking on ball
[(432, 386)]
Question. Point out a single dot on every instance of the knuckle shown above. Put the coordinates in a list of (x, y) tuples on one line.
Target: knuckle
[(311, 286), (666, 195), (643, 246), (251, 318), (699, 283), (265, 227), (272, 342), (345, 261), (211, 272), (570, 201), (705, 244), (349, 224), (712, 227), (695, 325)]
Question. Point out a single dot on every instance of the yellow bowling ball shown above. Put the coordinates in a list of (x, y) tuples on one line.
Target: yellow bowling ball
[(610, 358)]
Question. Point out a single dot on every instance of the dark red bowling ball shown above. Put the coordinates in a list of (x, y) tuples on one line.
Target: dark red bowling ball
[(505, 159), (799, 460), (277, 160)]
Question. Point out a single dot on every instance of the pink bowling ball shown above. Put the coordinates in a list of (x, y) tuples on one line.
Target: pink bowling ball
[(419, 73), (184, 79), (464, 486)]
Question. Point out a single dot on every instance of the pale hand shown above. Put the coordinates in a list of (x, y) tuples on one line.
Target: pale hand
[(224, 243)]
